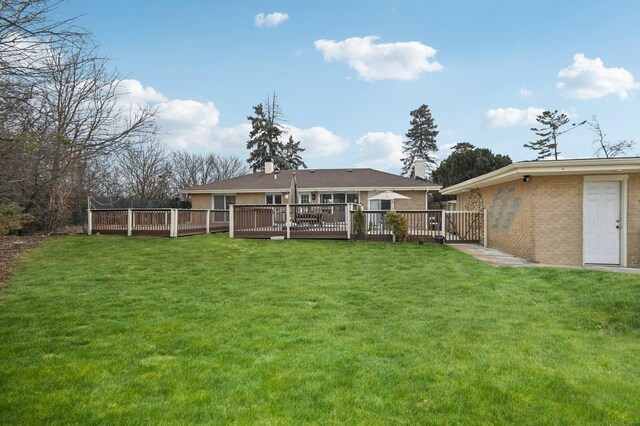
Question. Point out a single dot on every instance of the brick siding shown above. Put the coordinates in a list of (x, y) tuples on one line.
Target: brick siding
[(541, 220), (557, 219), (633, 221)]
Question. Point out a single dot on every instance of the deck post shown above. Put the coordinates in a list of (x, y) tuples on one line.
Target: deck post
[(173, 224), (89, 219), (129, 222), (485, 242), (288, 219), (231, 220), (207, 218), (348, 220), (444, 223)]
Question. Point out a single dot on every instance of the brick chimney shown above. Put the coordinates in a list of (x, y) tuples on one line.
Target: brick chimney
[(268, 166)]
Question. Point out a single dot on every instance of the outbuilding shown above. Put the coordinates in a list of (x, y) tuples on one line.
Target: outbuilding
[(561, 212)]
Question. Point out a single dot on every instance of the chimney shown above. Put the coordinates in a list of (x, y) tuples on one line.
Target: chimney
[(268, 166), (420, 168)]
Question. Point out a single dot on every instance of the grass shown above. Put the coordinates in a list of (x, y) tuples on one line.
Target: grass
[(211, 330)]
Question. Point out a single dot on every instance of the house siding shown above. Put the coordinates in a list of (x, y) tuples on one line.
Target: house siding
[(509, 215), (416, 200), (251, 198), (201, 201), (557, 219), (633, 221), (541, 220)]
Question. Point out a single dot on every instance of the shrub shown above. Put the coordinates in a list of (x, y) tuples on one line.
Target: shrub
[(398, 224), (13, 219), (358, 223)]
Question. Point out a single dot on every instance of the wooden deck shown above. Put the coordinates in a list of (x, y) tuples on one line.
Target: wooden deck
[(335, 221)]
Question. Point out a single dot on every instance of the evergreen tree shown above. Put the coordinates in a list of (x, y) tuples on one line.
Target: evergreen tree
[(291, 159), (466, 162), (265, 139), (547, 145), (421, 140)]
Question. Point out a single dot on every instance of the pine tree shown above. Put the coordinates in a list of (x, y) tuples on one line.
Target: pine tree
[(265, 139), (547, 145), (421, 140), (291, 159)]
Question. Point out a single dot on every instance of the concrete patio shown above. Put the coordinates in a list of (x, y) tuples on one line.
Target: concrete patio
[(499, 258)]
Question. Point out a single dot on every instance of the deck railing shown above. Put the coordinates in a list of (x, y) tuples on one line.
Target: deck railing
[(300, 221), (335, 221), (312, 221), (161, 222), (422, 225)]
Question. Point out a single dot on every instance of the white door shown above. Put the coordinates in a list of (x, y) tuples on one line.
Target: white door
[(601, 222)]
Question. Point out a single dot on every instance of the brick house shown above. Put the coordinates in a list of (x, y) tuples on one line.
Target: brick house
[(564, 212), (316, 186)]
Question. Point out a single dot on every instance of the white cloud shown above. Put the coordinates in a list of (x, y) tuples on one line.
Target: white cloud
[(444, 151), (502, 117), (187, 124), (381, 61), (317, 141), (525, 93), (184, 124), (380, 150), (231, 139), (133, 92), (193, 126), (590, 79), (270, 20)]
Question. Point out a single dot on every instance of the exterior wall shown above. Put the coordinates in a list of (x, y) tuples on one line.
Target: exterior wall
[(541, 220), (251, 198), (201, 201), (509, 217), (364, 200), (416, 200), (633, 221), (557, 219)]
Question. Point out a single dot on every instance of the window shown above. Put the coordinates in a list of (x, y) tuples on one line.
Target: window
[(305, 198), (274, 199), (222, 202), (339, 198), (380, 205)]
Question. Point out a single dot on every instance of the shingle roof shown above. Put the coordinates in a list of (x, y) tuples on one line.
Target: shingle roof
[(314, 179)]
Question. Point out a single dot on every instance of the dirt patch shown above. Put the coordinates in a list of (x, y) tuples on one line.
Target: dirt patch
[(10, 248)]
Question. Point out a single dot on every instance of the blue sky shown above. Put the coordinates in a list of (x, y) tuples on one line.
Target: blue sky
[(347, 74)]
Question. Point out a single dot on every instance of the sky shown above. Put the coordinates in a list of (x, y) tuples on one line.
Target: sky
[(347, 74)]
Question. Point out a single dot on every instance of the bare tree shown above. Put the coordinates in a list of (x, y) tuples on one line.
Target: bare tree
[(69, 116), (605, 147), (196, 169), (27, 28), (221, 167), (145, 171), (188, 169)]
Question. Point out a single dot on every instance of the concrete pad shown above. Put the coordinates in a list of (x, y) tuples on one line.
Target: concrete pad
[(492, 256), (496, 257)]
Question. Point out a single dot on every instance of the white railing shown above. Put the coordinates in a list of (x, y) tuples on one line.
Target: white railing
[(161, 222)]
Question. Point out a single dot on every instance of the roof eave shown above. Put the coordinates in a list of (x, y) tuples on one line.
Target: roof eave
[(567, 167), (317, 189)]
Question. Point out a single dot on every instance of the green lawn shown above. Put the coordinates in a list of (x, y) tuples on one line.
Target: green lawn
[(205, 329)]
